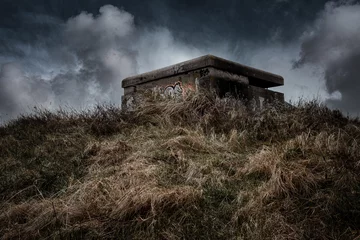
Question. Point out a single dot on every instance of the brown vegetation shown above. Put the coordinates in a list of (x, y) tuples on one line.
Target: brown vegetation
[(202, 168)]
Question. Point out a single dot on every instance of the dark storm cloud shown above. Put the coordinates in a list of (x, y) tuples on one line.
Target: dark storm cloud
[(82, 66), (334, 44), (75, 53), (81, 61), (198, 22)]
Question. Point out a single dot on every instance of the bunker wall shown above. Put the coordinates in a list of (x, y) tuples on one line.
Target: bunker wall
[(221, 82)]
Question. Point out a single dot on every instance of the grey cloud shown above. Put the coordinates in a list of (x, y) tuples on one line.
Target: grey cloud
[(196, 22), (343, 76), (19, 93), (60, 56), (334, 44), (83, 62), (102, 46), (84, 66)]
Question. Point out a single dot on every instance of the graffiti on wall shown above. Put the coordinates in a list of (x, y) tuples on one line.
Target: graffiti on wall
[(176, 90)]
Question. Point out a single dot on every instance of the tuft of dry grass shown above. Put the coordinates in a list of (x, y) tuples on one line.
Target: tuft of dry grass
[(198, 168)]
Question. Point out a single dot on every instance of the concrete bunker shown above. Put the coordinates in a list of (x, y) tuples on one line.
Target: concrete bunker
[(211, 73)]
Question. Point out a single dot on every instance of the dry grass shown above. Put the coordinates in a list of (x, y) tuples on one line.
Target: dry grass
[(202, 168)]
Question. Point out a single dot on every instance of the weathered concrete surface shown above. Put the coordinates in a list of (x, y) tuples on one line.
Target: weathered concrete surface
[(256, 77), (207, 73)]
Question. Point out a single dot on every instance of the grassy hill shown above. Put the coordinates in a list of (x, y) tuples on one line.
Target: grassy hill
[(202, 168)]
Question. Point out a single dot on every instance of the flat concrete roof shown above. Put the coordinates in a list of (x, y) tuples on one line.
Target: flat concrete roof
[(256, 77)]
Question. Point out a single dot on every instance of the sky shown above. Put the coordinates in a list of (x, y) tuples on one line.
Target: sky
[(74, 54)]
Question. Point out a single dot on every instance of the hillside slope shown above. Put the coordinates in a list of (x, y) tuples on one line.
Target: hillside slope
[(201, 168)]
